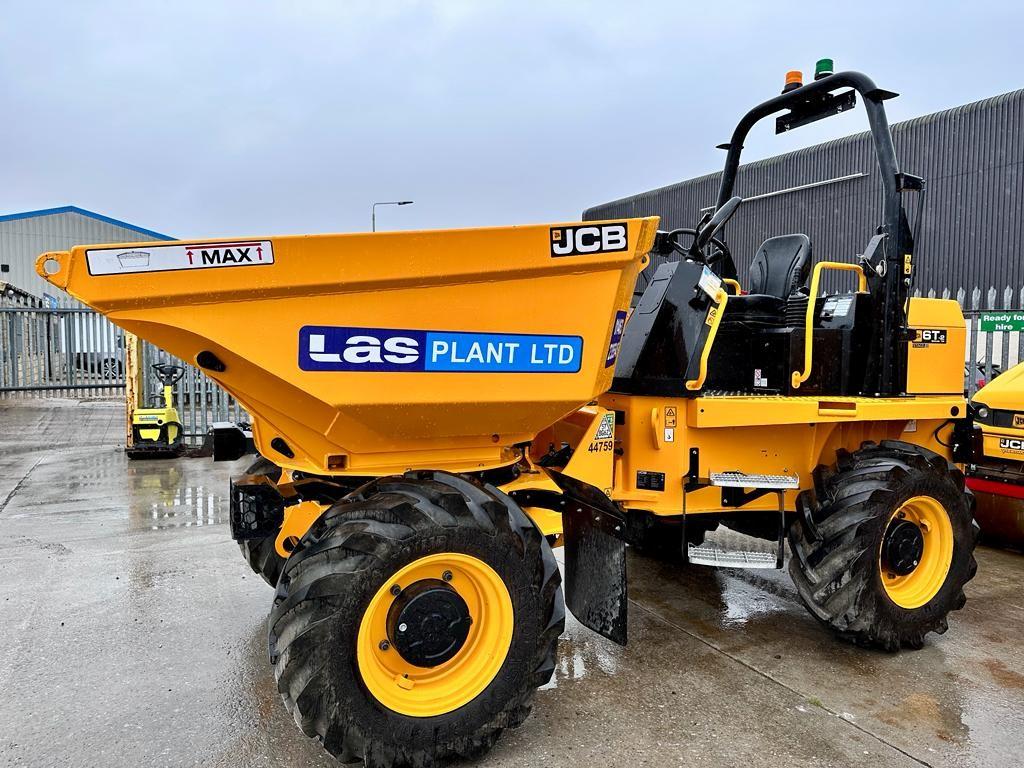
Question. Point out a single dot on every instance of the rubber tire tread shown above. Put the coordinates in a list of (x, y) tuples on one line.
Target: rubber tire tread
[(834, 563), (340, 563)]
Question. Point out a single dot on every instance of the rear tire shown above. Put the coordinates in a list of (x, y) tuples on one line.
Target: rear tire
[(837, 542), (337, 575), (261, 554)]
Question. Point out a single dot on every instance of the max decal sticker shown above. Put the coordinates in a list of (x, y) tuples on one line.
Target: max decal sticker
[(180, 256)]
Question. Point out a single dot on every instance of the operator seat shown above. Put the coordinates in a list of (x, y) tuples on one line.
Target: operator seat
[(780, 266), (779, 270)]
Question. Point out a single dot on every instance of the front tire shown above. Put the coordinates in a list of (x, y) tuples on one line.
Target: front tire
[(884, 544), (448, 687)]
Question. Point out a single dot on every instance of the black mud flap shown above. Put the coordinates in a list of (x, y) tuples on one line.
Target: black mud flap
[(595, 558)]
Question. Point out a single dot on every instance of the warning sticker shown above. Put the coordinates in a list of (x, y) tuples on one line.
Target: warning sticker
[(172, 258), (712, 314), (606, 429), (670, 415)]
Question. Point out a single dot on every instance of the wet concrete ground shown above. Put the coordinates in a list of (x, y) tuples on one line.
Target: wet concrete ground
[(133, 635)]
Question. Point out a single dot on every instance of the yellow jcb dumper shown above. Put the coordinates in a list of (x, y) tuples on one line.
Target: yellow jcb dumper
[(991, 445), (432, 407)]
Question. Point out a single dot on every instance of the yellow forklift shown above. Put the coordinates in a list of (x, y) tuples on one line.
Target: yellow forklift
[(431, 407)]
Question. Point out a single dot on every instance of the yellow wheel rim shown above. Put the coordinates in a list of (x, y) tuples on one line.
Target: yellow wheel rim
[(914, 589), (430, 691)]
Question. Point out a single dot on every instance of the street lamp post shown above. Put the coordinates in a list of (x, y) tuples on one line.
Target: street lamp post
[(373, 211)]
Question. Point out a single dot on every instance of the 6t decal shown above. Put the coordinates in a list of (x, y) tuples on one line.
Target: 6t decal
[(333, 348), (925, 336), (585, 239)]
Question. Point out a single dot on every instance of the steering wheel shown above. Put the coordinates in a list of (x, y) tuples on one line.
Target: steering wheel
[(715, 251), (168, 373), (705, 235)]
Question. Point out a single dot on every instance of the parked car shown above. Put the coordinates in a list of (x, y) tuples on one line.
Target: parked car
[(106, 362)]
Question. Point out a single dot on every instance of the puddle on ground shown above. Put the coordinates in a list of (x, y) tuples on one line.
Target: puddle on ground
[(745, 597), (582, 654), (163, 495), (187, 507)]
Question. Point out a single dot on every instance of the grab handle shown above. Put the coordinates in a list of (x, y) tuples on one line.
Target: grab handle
[(714, 319), (799, 377)]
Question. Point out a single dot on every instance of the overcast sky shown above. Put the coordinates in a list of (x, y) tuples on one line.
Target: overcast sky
[(230, 118)]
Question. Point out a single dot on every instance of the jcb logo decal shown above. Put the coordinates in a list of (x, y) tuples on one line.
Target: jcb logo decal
[(586, 239), (1011, 444)]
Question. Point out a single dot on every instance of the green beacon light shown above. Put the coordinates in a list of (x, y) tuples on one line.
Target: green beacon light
[(823, 68)]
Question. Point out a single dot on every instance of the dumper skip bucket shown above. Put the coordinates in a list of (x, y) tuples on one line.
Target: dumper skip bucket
[(374, 353)]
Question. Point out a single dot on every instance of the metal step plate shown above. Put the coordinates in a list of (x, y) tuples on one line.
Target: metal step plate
[(721, 558), (725, 548), (743, 480)]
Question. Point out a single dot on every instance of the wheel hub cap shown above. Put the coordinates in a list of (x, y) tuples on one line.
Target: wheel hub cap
[(458, 623), (428, 623), (903, 547)]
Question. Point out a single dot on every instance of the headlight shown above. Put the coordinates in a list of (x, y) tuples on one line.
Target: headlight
[(983, 413)]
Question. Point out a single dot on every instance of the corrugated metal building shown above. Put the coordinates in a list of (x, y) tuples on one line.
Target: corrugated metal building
[(972, 230), (23, 236)]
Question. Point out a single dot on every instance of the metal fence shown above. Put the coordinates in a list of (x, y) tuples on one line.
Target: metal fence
[(995, 340), (58, 347), (65, 350), (61, 349)]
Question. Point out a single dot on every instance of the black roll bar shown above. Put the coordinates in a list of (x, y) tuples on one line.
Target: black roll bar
[(888, 268), (796, 99)]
